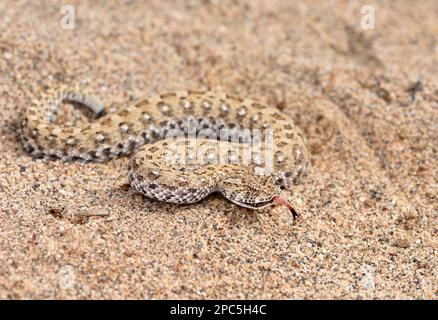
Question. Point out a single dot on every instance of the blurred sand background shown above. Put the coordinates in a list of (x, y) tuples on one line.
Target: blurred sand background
[(367, 101)]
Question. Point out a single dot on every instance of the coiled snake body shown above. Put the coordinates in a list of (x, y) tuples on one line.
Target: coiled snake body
[(196, 161)]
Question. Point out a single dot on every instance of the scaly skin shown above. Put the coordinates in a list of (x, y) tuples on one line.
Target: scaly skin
[(141, 126)]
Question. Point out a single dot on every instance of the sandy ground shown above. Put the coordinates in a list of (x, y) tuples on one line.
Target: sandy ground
[(367, 101)]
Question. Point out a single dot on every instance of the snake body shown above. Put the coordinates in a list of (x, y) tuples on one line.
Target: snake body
[(141, 127)]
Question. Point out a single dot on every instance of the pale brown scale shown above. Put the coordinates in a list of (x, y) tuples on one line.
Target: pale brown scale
[(183, 169)]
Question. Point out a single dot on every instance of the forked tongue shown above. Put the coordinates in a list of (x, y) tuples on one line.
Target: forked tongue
[(282, 201)]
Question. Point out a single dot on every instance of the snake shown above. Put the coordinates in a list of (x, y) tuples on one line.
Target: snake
[(183, 145)]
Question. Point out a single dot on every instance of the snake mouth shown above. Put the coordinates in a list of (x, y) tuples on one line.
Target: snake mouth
[(255, 205), (264, 204), (258, 205)]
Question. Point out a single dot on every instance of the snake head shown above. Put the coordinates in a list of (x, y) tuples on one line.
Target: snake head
[(252, 191)]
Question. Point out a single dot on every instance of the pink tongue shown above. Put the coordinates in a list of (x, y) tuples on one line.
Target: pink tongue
[(282, 201)]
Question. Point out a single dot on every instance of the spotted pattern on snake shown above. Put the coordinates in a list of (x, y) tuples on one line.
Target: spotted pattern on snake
[(140, 128)]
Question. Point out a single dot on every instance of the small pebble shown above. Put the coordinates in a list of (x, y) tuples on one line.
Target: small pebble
[(402, 243)]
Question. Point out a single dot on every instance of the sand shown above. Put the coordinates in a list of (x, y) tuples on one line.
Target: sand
[(367, 101)]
